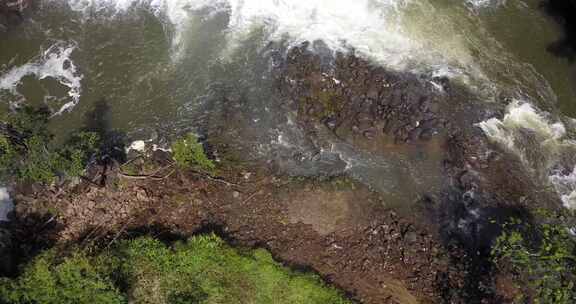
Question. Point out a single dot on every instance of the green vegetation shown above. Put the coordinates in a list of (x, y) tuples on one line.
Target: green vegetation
[(189, 153), (544, 259), (27, 151), (201, 270), (7, 154), (74, 279)]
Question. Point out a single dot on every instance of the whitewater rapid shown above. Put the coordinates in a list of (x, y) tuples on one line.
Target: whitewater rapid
[(405, 35), (399, 34), (55, 63), (541, 142)]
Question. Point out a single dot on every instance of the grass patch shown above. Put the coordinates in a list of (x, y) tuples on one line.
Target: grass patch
[(201, 270)]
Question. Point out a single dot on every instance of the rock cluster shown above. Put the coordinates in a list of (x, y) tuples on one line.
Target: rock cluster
[(352, 97)]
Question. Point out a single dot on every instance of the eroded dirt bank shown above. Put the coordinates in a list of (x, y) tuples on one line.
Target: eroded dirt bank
[(337, 227)]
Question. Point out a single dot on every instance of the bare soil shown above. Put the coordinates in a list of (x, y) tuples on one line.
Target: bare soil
[(336, 227)]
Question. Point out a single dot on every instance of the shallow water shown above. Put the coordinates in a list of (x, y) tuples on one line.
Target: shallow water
[(161, 67)]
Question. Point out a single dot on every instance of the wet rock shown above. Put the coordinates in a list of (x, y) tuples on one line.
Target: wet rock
[(331, 122), (369, 134), (402, 103), (426, 134), (373, 92), (415, 134)]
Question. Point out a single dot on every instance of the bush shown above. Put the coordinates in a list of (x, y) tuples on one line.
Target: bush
[(189, 153), (27, 153), (544, 259), (7, 154), (28, 121), (39, 163), (73, 280), (78, 152), (202, 270)]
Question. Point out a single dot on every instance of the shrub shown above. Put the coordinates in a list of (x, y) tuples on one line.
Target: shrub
[(74, 280), (189, 153), (202, 270), (37, 164), (27, 153), (78, 152), (28, 121), (545, 265), (7, 154)]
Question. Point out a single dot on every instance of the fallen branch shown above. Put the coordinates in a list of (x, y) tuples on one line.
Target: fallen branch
[(150, 176), (215, 179), (142, 177), (131, 161), (84, 178), (118, 234), (153, 175), (251, 196), (87, 239)]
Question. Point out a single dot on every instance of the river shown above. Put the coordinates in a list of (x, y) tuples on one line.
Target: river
[(159, 66)]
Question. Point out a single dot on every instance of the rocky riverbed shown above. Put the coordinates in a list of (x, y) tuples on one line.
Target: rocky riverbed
[(433, 249)]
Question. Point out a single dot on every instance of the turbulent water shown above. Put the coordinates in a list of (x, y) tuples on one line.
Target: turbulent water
[(158, 64)]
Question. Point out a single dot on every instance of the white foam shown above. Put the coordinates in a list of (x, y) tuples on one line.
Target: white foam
[(338, 23), (478, 4), (6, 204), (522, 115), (550, 141), (565, 185), (137, 145), (156, 147), (176, 12), (384, 31), (55, 63)]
